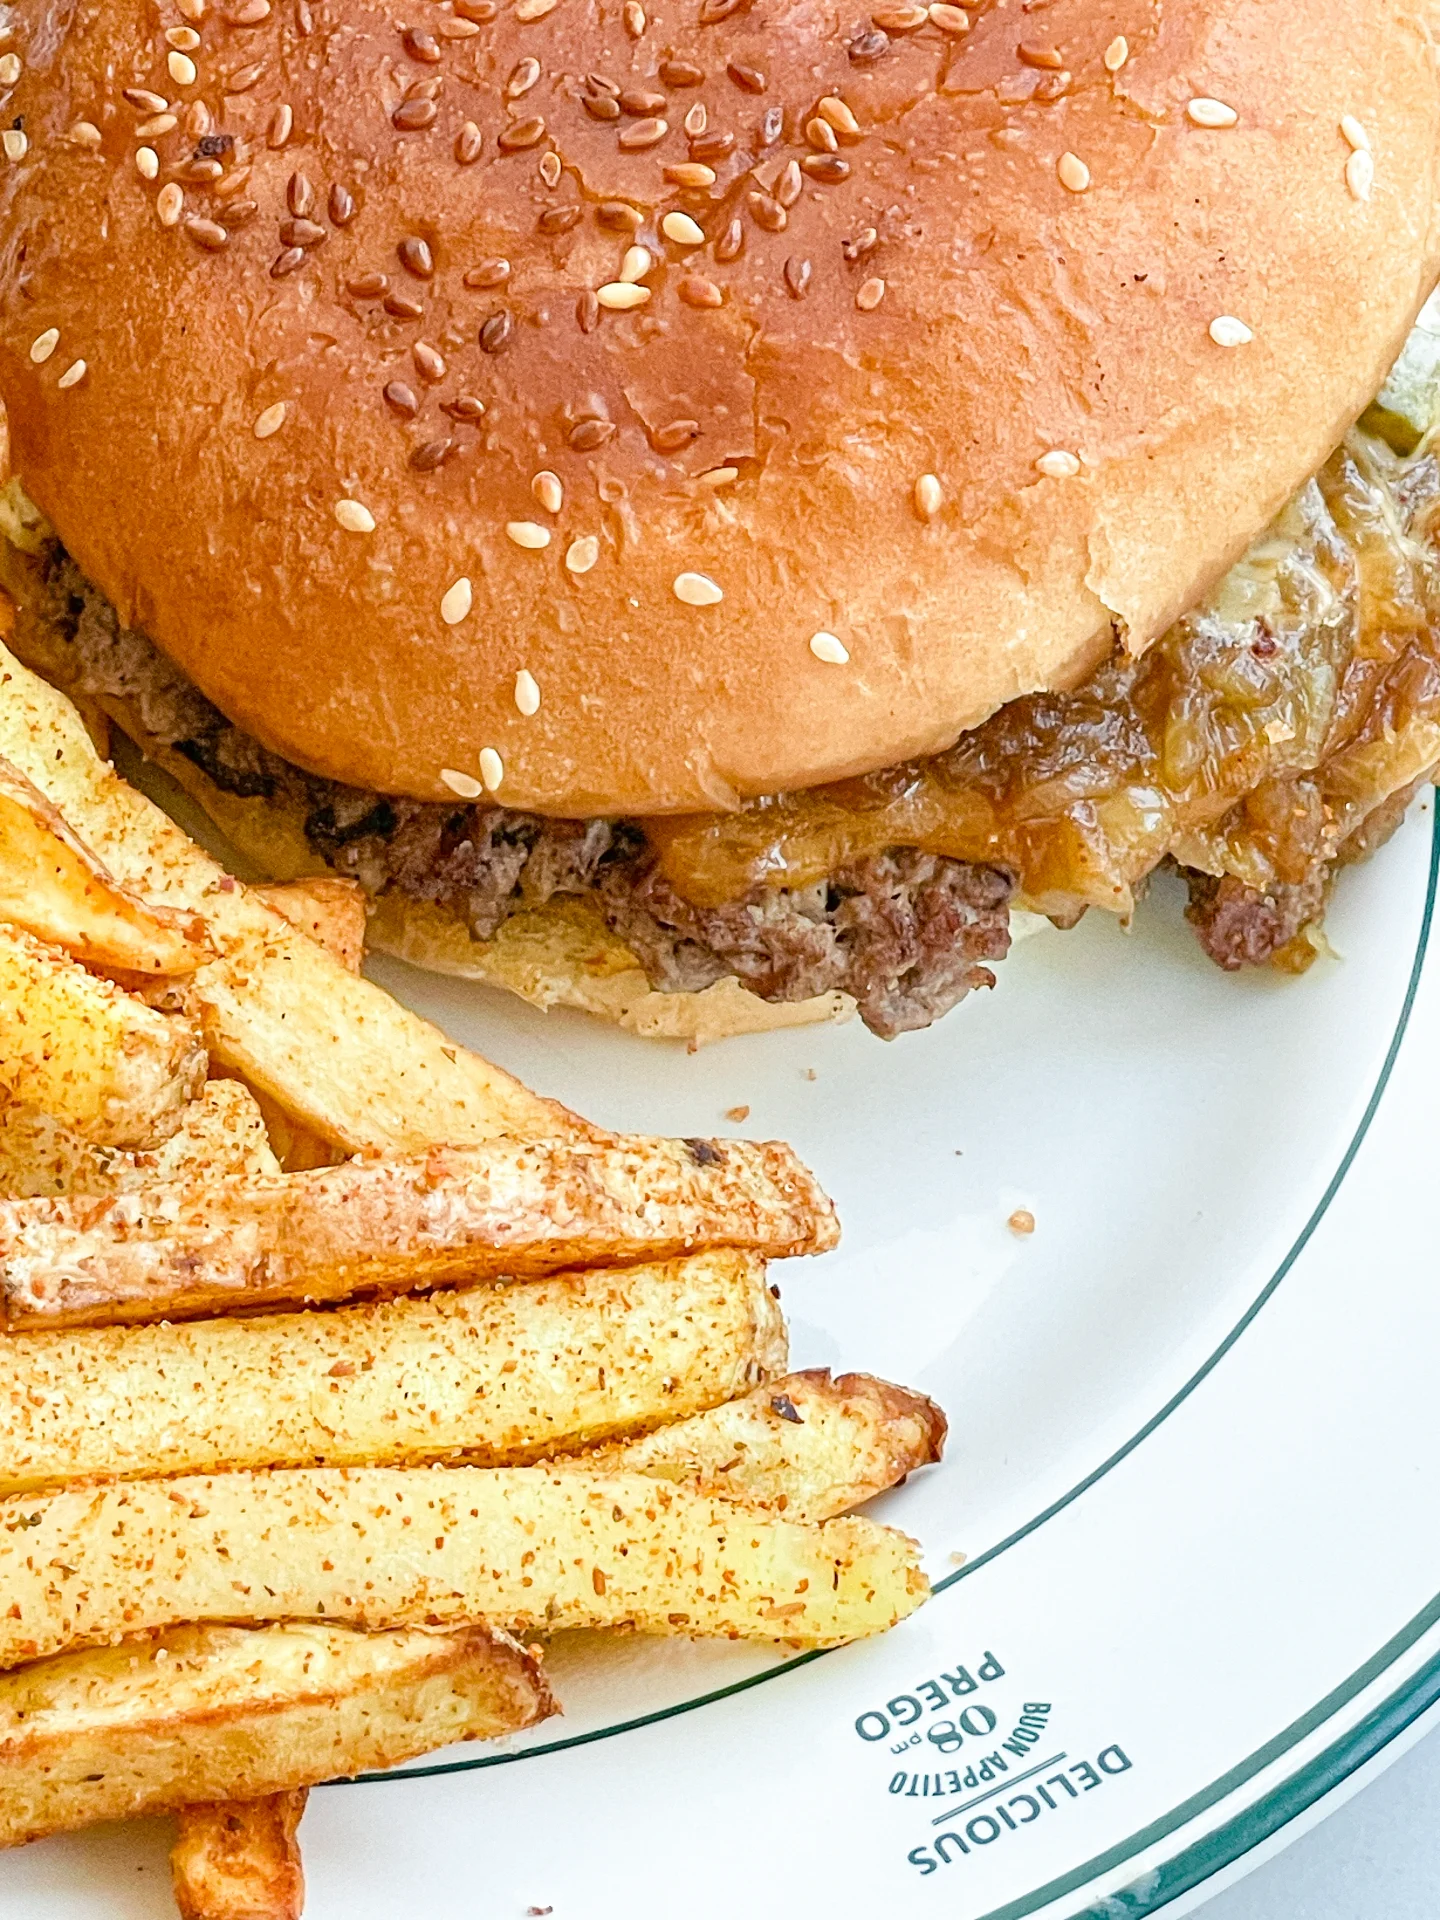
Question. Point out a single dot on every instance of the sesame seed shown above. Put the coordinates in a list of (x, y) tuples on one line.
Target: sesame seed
[(527, 534), (456, 601), (949, 19), (84, 133), (684, 231), (690, 173), (551, 167), (839, 115), (1117, 53), (207, 234), (1360, 173), (468, 142), (281, 124), (718, 476), (15, 143), (527, 693), (492, 768), (169, 204), (431, 455), (147, 162), (411, 116), (1355, 133), (183, 39), (696, 291), (581, 554), (1227, 331), (697, 590), (354, 517), (463, 784), (830, 649), (1058, 465), (489, 273), (547, 489), (634, 19), (72, 375), (869, 294), (270, 421), (413, 254), (193, 10), (635, 265), (144, 101), (928, 496), (696, 120), (421, 46), (588, 434), (43, 345), (522, 77), (1021, 1222), (621, 295), (181, 68), (521, 134), (1211, 113), (9, 69), (162, 123), (643, 133), (1073, 172)]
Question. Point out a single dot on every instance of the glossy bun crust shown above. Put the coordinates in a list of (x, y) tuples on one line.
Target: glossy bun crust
[(945, 243)]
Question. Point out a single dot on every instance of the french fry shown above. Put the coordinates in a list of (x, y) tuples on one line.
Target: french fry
[(221, 1136), (807, 1446), (498, 1375), (240, 1859), (514, 1208), (332, 911), (333, 1051), (213, 1713), (88, 1055), (53, 886), (524, 1547)]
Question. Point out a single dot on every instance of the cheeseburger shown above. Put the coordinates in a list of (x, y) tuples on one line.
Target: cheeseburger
[(705, 508)]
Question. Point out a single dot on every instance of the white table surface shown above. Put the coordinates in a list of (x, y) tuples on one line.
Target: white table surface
[(1376, 1858)]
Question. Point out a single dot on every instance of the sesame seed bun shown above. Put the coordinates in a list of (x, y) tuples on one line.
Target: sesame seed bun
[(327, 349)]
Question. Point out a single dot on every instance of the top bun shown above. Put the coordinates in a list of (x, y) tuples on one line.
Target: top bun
[(1009, 326)]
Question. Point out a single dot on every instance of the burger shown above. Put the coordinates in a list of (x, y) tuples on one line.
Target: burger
[(706, 509)]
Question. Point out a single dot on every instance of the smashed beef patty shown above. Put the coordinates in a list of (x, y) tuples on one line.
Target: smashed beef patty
[(1268, 737)]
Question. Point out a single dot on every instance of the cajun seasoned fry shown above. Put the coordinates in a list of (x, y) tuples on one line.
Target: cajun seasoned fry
[(207, 1713), (333, 1051), (332, 911), (527, 1547), (500, 1375), (221, 1136), (240, 1859), (53, 886), (806, 1446), (513, 1208), (82, 1052)]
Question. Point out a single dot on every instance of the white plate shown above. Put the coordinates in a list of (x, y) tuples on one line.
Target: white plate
[(1194, 1462)]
